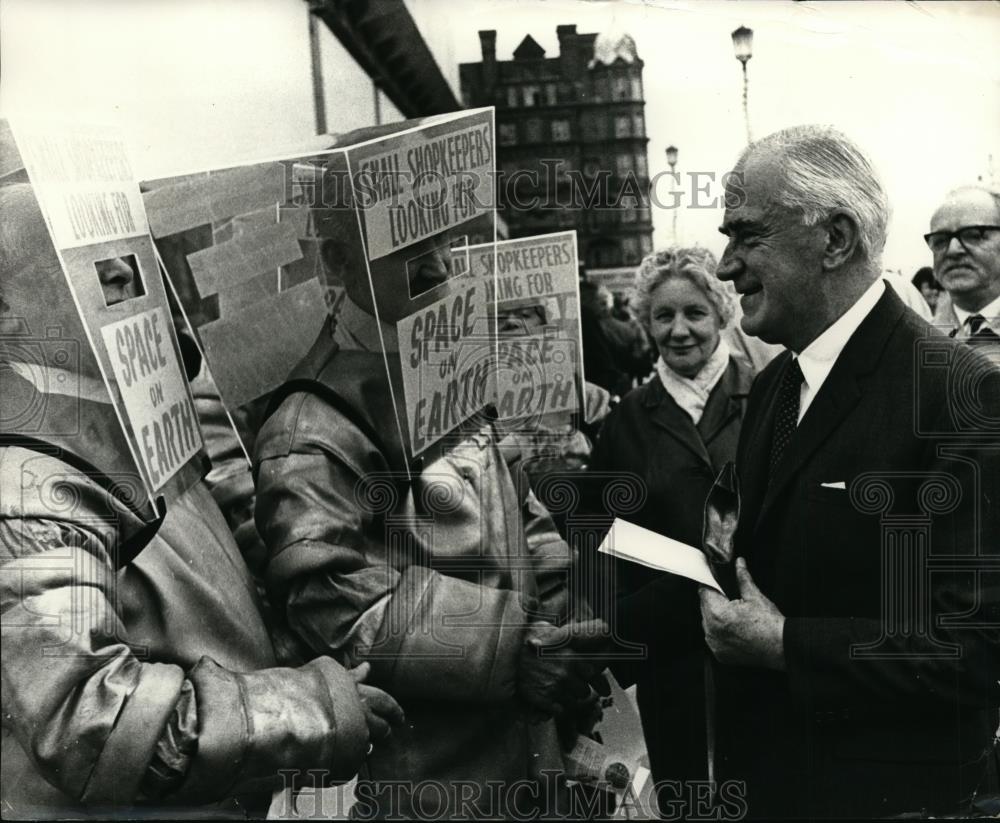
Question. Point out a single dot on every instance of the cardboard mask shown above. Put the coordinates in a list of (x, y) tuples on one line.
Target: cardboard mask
[(268, 256), (91, 359), (539, 377)]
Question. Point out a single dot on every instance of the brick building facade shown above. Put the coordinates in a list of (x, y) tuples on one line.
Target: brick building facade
[(571, 130)]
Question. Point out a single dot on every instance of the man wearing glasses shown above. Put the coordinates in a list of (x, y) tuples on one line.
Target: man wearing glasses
[(965, 241)]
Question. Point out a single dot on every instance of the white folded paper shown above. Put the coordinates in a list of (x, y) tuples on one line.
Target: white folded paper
[(628, 541)]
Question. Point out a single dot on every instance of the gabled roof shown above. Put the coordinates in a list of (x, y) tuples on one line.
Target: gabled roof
[(610, 48), (529, 49)]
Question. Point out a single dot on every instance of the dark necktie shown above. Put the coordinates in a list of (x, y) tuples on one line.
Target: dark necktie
[(786, 416), (979, 330)]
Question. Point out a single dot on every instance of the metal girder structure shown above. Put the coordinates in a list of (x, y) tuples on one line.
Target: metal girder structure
[(384, 40)]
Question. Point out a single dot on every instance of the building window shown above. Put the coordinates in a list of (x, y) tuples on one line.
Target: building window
[(533, 130), (512, 97), (630, 245), (595, 126), (624, 164), (639, 125), (621, 89), (646, 242), (560, 131), (532, 96), (623, 126), (636, 88), (601, 88), (640, 165), (507, 134), (550, 94), (604, 253)]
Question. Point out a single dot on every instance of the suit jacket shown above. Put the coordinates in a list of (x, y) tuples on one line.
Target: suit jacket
[(675, 463), (889, 697)]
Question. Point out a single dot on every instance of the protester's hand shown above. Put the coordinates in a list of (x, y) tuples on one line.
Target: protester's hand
[(744, 632), (557, 665), (382, 712)]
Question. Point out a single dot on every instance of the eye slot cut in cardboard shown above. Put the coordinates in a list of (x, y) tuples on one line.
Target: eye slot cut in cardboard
[(120, 279), (437, 265), (522, 319)]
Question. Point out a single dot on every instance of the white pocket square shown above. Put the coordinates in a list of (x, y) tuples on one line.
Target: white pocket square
[(837, 484)]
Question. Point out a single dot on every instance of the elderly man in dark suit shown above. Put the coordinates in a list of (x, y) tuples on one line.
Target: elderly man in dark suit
[(858, 670), (965, 241)]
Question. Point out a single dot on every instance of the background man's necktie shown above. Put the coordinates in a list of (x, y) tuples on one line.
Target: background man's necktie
[(786, 416), (980, 331)]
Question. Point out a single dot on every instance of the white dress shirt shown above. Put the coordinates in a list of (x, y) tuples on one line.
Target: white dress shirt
[(816, 360)]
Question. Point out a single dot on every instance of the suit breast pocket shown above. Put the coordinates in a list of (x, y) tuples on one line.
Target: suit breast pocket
[(830, 496)]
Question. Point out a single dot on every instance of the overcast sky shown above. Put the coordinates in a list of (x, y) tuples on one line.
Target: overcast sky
[(916, 84), (206, 82)]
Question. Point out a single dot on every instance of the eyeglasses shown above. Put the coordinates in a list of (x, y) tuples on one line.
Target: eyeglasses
[(939, 241)]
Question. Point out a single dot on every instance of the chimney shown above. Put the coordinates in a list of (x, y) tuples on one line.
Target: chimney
[(488, 44), (568, 56)]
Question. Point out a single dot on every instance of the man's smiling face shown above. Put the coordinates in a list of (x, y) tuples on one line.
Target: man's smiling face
[(772, 258)]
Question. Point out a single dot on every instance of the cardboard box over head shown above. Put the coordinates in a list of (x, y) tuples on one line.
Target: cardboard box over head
[(365, 242), (533, 284), (88, 343)]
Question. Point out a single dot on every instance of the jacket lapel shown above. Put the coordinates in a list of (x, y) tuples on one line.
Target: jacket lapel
[(670, 417), (755, 440), (836, 397), (726, 401)]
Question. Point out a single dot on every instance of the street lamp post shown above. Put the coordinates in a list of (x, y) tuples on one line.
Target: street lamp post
[(743, 48), (672, 162)]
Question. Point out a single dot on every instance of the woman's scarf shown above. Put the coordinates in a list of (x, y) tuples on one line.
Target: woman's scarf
[(691, 393)]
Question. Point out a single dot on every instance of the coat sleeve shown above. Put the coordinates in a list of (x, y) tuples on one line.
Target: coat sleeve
[(555, 567), (357, 588), (103, 725)]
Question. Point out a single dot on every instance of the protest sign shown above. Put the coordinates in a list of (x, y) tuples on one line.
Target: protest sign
[(90, 200), (265, 256), (421, 193), (534, 281), (447, 362), (239, 249)]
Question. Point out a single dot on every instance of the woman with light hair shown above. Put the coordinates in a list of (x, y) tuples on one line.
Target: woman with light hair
[(676, 432)]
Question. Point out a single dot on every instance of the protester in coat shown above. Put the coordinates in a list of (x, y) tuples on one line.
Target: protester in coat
[(132, 685), (440, 573)]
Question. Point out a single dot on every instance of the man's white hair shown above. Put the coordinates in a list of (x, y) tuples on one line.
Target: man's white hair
[(825, 170)]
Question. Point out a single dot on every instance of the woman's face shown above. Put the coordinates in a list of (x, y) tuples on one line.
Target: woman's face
[(684, 325)]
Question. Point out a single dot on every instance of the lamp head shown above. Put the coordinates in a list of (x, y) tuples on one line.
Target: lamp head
[(743, 44)]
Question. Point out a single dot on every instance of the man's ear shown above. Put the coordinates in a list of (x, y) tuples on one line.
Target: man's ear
[(843, 239)]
